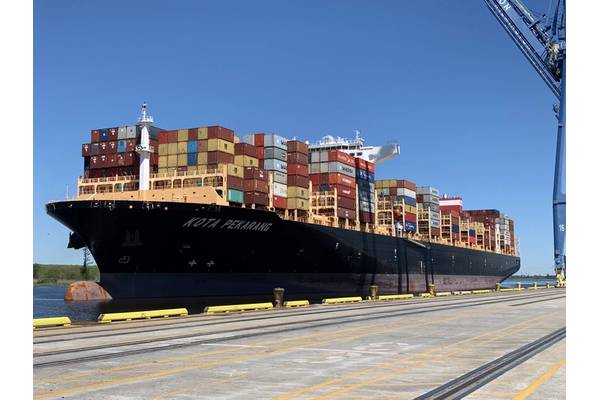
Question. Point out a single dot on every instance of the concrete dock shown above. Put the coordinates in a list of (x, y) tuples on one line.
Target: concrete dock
[(501, 345)]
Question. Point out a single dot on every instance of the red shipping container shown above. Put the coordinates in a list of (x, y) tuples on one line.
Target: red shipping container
[(435, 232), (298, 180), (220, 157), (112, 147), (234, 182), (297, 169), (344, 158), (344, 191), (255, 185), (94, 162), (335, 178), (130, 145), (345, 213), (182, 169), (406, 184), (255, 173), (261, 199), (261, 164), (297, 158), (365, 216), (112, 160), (192, 134), (410, 217), (103, 161), (393, 191), (259, 141), (163, 137), (113, 134), (153, 159), (315, 179), (95, 136), (347, 203), (360, 163), (103, 148), (260, 152), (172, 137), (219, 132), (85, 149), (245, 149), (297, 146), (370, 167), (279, 202)]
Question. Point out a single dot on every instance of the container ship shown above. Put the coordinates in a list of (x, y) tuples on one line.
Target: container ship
[(201, 212)]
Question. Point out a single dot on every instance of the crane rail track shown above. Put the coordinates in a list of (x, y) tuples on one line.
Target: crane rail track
[(277, 328), (473, 380), (194, 321)]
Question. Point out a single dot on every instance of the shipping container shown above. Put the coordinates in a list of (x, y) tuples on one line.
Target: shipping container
[(202, 158), (297, 180), (246, 161), (257, 198), (132, 132), (172, 160), (95, 136), (219, 157), (235, 196), (202, 133), (280, 189), (162, 161), (272, 140), (410, 226), (366, 217), (362, 174), (104, 135), (192, 134), (275, 153), (295, 203), (192, 146), (340, 156), (192, 159), (182, 160), (410, 217), (371, 168), (221, 133), (245, 149), (235, 170), (221, 145), (112, 147), (346, 213), (346, 202), (279, 177), (86, 149), (234, 182), (113, 134), (339, 167), (280, 202), (297, 146), (255, 173), (297, 158), (297, 192), (122, 133), (428, 190), (275, 165), (297, 169), (360, 163), (256, 185), (182, 135)]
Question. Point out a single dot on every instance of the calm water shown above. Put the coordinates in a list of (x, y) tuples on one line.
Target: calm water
[(48, 302)]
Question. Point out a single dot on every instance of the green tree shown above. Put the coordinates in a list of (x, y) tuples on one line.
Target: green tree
[(36, 271), (85, 273)]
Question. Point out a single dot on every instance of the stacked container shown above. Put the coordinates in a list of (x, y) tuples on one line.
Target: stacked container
[(256, 187), (401, 194), (365, 183), (331, 170), (428, 202), (112, 151), (450, 209), (297, 175)]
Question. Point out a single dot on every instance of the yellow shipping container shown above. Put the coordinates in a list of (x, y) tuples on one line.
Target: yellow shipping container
[(235, 170), (202, 158), (172, 160), (202, 145), (410, 209), (202, 133), (297, 192), (246, 161), (182, 148), (297, 204), (220, 145), (192, 170), (162, 171), (162, 161), (378, 184), (172, 149), (181, 160), (182, 135), (163, 149)]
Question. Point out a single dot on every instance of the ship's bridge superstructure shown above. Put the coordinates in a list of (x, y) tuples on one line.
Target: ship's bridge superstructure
[(356, 148)]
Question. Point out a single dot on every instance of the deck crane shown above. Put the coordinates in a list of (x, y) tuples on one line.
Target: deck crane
[(542, 39)]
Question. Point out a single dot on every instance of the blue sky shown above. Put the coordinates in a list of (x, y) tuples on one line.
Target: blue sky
[(441, 78)]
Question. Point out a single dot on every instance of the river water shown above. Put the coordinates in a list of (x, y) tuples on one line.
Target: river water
[(48, 302)]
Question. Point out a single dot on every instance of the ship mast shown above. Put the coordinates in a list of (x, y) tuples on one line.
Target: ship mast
[(144, 149)]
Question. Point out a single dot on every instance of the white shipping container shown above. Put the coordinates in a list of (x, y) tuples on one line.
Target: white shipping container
[(279, 189), (435, 223), (272, 140), (122, 133), (428, 190), (314, 168), (314, 157), (275, 165), (434, 215), (406, 192), (279, 177), (248, 139), (336, 166), (428, 198), (323, 167), (131, 132), (323, 156), (275, 152)]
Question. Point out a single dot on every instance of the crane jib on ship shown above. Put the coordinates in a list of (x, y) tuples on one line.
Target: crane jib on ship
[(542, 39)]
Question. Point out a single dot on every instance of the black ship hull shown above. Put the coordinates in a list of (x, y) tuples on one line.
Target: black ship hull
[(168, 249)]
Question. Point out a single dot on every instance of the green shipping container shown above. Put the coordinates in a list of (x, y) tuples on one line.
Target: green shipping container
[(235, 196)]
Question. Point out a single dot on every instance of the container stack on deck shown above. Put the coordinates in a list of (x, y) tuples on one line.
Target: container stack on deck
[(397, 202), (111, 152), (365, 182), (451, 209), (428, 205), (297, 175), (333, 170)]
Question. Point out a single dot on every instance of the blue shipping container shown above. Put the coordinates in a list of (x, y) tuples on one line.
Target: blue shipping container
[(361, 174), (192, 146), (410, 226), (94, 149), (323, 188), (371, 176), (235, 196), (103, 135), (192, 159), (409, 200), (122, 146), (455, 229), (471, 232), (366, 196)]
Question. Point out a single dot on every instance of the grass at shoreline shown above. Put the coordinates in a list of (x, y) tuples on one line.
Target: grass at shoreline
[(62, 275)]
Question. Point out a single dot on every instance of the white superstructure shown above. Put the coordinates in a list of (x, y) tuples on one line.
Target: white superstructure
[(144, 149), (356, 148)]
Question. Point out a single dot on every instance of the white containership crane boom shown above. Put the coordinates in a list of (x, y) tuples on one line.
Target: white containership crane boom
[(543, 42)]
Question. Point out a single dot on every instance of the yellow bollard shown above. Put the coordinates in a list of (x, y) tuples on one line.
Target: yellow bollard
[(278, 293), (373, 290), (519, 286), (431, 289), (498, 287)]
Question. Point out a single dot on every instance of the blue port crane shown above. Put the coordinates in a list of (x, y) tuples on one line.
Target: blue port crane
[(542, 39)]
